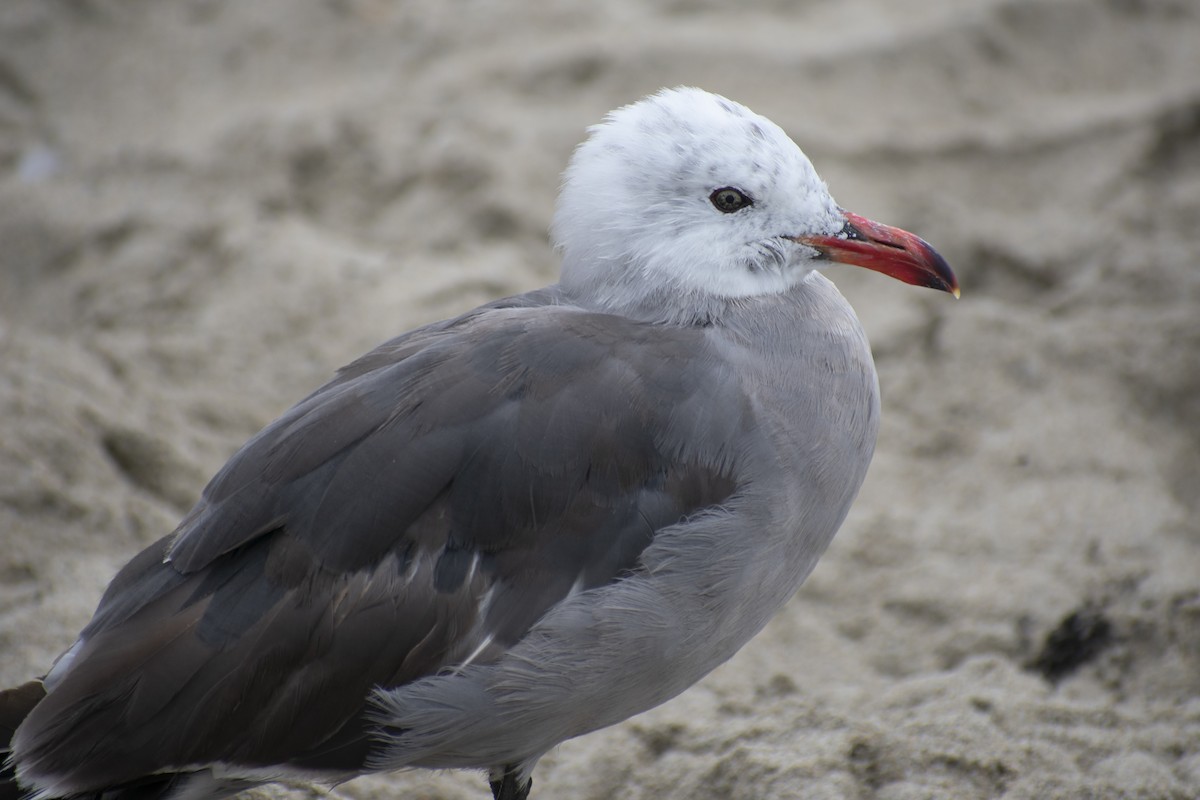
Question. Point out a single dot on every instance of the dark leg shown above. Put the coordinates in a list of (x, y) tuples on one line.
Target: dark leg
[(507, 786)]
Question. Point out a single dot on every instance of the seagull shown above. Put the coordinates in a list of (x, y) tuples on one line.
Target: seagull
[(507, 529)]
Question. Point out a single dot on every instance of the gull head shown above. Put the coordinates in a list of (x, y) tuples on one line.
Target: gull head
[(686, 197)]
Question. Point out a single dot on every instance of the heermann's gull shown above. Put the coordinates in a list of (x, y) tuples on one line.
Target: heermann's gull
[(497, 532)]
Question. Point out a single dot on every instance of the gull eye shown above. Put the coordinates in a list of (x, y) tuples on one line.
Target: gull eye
[(728, 200)]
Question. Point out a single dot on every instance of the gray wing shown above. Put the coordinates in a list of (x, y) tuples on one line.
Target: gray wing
[(424, 508)]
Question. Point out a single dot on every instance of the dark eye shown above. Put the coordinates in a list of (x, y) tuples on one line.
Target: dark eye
[(728, 200)]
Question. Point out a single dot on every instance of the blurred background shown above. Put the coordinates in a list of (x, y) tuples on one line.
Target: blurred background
[(207, 206)]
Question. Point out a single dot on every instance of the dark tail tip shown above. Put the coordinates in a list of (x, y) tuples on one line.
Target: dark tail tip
[(15, 705)]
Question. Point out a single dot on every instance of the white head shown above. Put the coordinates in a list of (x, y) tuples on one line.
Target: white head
[(692, 193), (686, 198)]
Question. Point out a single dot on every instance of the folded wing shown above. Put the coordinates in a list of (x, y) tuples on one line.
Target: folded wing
[(422, 510)]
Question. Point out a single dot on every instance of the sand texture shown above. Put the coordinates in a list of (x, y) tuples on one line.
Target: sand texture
[(208, 206)]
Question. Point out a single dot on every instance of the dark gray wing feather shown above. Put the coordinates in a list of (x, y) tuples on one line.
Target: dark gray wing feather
[(432, 501)]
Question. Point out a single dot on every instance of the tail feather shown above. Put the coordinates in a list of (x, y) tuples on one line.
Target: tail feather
[(15, 705)]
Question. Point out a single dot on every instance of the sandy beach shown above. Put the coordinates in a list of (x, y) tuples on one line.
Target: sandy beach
[(206, 207)]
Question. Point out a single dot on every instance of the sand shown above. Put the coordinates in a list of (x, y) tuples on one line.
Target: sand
[(206, 207)]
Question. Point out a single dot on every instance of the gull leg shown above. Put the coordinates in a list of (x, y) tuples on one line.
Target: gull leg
[(508, 786)]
